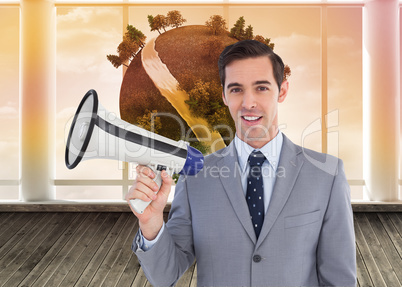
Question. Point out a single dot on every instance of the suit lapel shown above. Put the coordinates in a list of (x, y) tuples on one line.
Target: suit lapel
[(234, 189), (287, 172)]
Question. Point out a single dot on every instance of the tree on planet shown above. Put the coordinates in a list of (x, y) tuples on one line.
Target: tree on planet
[(159, 22), (150, 121), (237, 30), (136, 35), (133, 42), (175, 19), (266, 41), (217, 24)]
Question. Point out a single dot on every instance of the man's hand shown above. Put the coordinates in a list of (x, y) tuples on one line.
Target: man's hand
[(144, 188)]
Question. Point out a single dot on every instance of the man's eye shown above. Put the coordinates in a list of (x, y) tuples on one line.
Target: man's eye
[(235, 90), (263, 89)]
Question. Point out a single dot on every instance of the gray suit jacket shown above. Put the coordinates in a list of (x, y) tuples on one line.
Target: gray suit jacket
[(307, 238)]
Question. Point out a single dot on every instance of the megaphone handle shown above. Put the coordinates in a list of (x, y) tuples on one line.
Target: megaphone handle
[(139, 205)]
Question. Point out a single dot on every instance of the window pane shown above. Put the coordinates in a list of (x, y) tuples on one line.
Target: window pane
[(356, 192), (84, 37), (345, 98), (9, 192), (88, 193), (9, 99)]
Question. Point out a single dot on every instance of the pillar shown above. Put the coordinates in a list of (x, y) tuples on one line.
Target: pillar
[(381, 99), (37, 99)]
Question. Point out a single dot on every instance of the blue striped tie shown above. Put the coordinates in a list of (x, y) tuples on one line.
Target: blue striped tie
[(255, 190)]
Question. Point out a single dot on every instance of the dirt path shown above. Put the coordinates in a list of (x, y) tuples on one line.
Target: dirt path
[(167, 85)]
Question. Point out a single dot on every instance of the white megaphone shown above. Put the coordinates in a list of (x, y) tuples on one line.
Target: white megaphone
[(94, 135)]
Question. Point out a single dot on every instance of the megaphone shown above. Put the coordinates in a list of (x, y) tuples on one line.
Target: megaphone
[(97, 133)]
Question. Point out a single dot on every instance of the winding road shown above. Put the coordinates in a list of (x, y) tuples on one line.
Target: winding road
[(167, 86)]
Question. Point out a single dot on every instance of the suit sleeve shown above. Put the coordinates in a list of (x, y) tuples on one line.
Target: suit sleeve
[(173, 253), (336, 250)]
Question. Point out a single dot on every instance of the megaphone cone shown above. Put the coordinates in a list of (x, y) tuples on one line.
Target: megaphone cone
[(96, 133)]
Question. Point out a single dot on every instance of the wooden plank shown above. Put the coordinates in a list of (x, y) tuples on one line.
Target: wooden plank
[(18, 232), (140, 280), (12, 227), (376, 207), (193, 282), (25, 251), (377, 252), (363, 277), (387, 247), (64, 261), (122, 251), (130, 271), (101, 253), (49, 258), (396, 238), (50, 236), (6, 218), (33, 229), (364, 248), (123, 207), (397, 221), (76, 272), (120, 206)]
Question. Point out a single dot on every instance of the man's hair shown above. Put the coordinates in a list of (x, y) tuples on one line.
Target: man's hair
[(250, 49)]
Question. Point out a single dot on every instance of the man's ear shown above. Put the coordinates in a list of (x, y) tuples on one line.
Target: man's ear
[(284, 91), (224, 98)]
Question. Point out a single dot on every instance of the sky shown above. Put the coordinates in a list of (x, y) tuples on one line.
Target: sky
[(86, 35)]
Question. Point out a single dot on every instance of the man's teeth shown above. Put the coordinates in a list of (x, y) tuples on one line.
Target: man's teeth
[(251, 118)]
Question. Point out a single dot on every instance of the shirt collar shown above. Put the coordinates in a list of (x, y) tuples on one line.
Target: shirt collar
[(271, 151)]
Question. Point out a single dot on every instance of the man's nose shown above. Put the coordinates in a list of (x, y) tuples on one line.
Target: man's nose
[(249, 100)]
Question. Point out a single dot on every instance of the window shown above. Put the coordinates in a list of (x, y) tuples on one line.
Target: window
[(345, 120), (9, 103), (85, 35), (322, 44)]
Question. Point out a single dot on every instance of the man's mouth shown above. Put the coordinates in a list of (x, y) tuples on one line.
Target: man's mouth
[(251, 118)]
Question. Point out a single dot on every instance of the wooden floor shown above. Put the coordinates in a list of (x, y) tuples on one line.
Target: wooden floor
[(93, 249)]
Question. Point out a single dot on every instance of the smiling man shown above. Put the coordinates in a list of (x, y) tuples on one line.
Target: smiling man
[(274, 214), (252, 94)]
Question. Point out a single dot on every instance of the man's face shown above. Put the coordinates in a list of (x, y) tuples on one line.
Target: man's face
[(252, 96)]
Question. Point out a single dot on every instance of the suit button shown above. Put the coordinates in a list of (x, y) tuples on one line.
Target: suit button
[(256, 258)]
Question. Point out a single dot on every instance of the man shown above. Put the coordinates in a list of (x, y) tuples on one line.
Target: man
[(302, 234)]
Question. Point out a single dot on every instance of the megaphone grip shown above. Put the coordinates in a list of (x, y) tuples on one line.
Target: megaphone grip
[(139, 205)]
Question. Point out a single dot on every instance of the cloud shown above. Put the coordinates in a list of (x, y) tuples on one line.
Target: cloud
[(9, 111), (303, 55), (9, 154), (296, 46), (85, 36), (303, 105)]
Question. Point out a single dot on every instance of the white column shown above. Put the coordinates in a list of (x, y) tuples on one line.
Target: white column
[(381, 98), (37, 99)]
